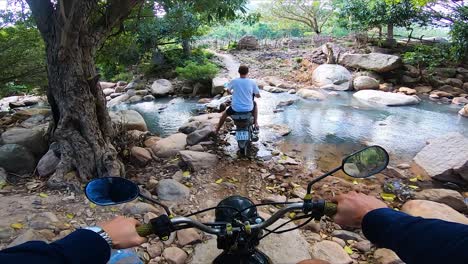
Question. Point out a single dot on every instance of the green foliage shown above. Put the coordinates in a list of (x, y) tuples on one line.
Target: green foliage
[(459, 33), (194, 71), (426, 56)]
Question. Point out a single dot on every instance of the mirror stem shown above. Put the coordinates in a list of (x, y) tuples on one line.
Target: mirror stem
[(314, 181), (168, 212)]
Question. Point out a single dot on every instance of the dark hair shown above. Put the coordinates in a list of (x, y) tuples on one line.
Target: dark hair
[(243, 70)]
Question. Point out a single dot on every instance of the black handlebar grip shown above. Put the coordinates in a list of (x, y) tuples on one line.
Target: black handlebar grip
[(330, 209), (144, 230)]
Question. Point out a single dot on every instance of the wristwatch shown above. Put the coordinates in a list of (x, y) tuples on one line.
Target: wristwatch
[(100, 232)]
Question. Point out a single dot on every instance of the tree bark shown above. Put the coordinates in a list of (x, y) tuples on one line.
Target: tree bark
[(186, 47), (82, 126)]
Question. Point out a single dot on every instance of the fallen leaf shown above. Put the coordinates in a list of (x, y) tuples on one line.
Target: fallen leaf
[(113, 209), (43, 195), (189, 184), (2, 184), (92, 205), (292, 215), (355, 182), (415, 179), (389, 197), (70, 216), (186, 174), (414, 187), (218, 181), (284, 157), (348, 250), (17, 225)]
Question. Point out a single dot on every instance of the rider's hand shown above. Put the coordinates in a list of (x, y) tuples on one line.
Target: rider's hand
[(353, 206), (123, 233)]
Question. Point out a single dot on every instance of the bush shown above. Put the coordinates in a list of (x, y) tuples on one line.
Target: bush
[(425, 56), (194, 71), (11, 89), (123, 76)]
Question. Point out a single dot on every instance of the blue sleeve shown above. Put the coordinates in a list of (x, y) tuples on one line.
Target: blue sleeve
[(415, 239), (81, 246)]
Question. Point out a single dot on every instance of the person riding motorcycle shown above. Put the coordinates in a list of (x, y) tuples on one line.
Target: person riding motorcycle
[(242, 90), (414, 239)]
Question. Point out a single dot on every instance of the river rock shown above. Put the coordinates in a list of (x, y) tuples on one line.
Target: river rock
[(385, 98), (274, 89), (423, 89), (17, 159), (217, 85), (174, 255), (311, 94), (135, 99), (117, 100), (131, 119), (107, 85), (280, 130), (445, 158), (148, 98), (433, 210), (407, 91), (151, 141), (346, 235), (377, 62), (460, 101), (449, 197), (33, 139), (171, 190), (330, 251), (28, 113), (200, 135), (445, 72), (212, 118), (190, 127), (29, 235), (198, 160), (142, 155), (464, 111), (33, 121), (188, 237), (248, 42), (142, 93), (454, 82), (365, 83), (408, 80), (108, 91), (170, 146), (138, 208), (363, 246), (332, 76), (47, 164), (155, 250), (386, 256), (161, 87), (296, 249), (204, 100)]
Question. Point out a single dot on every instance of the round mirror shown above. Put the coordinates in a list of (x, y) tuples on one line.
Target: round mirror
[(366, 162), (111, 190)]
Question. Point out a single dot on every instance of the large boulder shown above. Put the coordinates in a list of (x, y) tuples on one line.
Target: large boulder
[(365, 83), (200, 134), (172, 190), (34, 139), (433, 210), (107, 85), (445, 158), (170, 146), (131, 119), (311, 94), (47, 164), (464, 111), (217, 86), (118, 100), (330, 251), (332, 76), (198, 160), (17, 159), (386, 98), (248, 42), (161, 87), (449, 197), (212, 118), (377, 62)]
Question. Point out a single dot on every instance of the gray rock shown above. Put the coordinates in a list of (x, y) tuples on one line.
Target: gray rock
[(108, 91), (311, 94), (155, 250), (198, 160), (142, 155), (198, 148), (280, 130), (190, 127), (138, 208), (346, 235), (142, 92), (454, 82), (339, 241), (330, 251), (47, 164), (464, 111), (131, 93), (131, 119), (135, 99), (433, 210), (275, 199), (17, 159), (174, 255), (248, 42), (273, 89), (217, 86), (363, 246), (188, 237), (170, 146), (33, 121), (365, 83), (332, 76), (117, 100), (200, 135), (107, 85), (295, 250), (377, 62), (449, 197), (29, 235), (445, 158), (33, 139), (386, 256), (385, 98), (148, 98), (423, 89), (6, 232), (171, 190), (162, 87)]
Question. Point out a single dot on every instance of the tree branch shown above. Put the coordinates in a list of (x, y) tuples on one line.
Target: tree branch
[(43, 13)]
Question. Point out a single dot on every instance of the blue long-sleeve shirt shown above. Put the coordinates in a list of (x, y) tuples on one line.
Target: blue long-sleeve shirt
[(82, 246), (417, 240)]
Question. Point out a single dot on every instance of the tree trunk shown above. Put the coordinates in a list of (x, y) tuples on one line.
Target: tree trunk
[(82, 126), (186, 47), (390, 41)]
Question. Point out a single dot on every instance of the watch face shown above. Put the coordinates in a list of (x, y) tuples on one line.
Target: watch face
[(94, 228)]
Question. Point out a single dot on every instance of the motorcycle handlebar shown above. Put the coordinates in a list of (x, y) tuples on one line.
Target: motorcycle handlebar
[(144, 230)]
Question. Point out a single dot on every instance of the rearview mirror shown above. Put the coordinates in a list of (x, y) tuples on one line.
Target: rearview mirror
[(111, 191), (366, 162)]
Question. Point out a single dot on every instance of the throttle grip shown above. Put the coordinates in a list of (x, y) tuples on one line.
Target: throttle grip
[(145, 230), (330, 209)]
